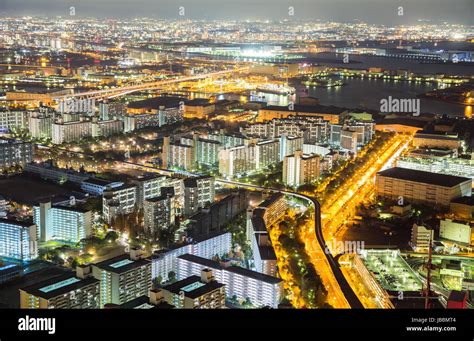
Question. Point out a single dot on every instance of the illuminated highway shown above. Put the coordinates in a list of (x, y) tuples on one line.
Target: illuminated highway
[(340, 293), (338, 207), (342, 205), (119, 91)]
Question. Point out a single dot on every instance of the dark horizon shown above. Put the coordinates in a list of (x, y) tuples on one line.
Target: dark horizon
[(370, 11)]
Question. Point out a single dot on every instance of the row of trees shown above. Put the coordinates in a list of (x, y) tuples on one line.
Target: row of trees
[(350, 167), (133, 224), (311, 291)]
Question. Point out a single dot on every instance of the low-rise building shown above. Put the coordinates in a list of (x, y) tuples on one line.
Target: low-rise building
[(198, 108), (10, 272), (421, 187), (96, 186), (421, 238), (457, 232), (463, 207), (47, 171), (457, 300), (443, 141), (331, 114)]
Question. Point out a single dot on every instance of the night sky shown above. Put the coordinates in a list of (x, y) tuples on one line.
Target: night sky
[(371, 11)]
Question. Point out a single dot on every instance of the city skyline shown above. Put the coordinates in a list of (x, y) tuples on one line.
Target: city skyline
[(371, 11)]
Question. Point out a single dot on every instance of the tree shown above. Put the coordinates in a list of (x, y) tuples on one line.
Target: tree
[(156, 283), (111, 237), (172, 276)]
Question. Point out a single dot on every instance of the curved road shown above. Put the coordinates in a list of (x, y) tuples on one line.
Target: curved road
[(349, 294)]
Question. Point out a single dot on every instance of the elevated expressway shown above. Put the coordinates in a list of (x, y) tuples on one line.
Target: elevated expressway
[(328, 267), (120, 91)]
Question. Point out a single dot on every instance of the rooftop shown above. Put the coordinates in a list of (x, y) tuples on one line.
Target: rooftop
[(57, 286), (97, 181), (193, 287), (71, 209), (199, 102), (197, 240), (192, 182), (121, 264), (271, 200), (235, 269), (433, 136), (310, 109), (267, 252), (157, 102), (403, 122), (423, 177), (258, 223), (15, 222), (143, 302)]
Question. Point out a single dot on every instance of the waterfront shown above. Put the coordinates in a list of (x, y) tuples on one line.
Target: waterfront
[(367, 93)]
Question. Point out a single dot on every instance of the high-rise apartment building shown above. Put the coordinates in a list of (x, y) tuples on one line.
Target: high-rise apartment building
[(117, 201), (63, 131), (246, 285), (15, 152), (70, 291), (300, 169), (18, 240), (13, 120), (160, 212), (40, 124), (123, 278), (64, 223), (198, 193)]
